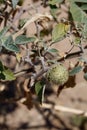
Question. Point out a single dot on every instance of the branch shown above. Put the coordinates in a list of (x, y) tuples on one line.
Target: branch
[(40, 73), (60, 108), (64, 109)]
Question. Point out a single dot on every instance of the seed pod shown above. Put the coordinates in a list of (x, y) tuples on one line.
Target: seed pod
[(57, 74)]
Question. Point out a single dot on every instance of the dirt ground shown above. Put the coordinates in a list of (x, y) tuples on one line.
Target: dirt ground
[(16, 116)]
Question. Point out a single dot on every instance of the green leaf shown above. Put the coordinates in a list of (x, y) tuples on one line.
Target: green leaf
[(39, 87), (14, 3), (5, 73), (2, 76), (22, 22), (80, 17), (78, 14), (3, 32), (53, 2), (53, 50), (78, 120), (9, 40), (2, 1), (51, 61), (59, 31), (84, 31), (83, 59), (82, 1), (75, 70), (22, 39), (1, 67), (3, 39), (53, 10), (84, 7), (9, 45), (77, 40), (85, 76), (20, 3), (12, 47), (9, 76)]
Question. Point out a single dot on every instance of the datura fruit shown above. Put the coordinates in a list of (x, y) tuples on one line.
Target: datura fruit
[(57, 74)]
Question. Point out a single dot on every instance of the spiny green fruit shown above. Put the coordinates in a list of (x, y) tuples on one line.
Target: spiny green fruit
[(58, 74)]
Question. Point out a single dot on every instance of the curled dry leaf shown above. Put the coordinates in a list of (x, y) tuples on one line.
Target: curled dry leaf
[(38, 16)]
